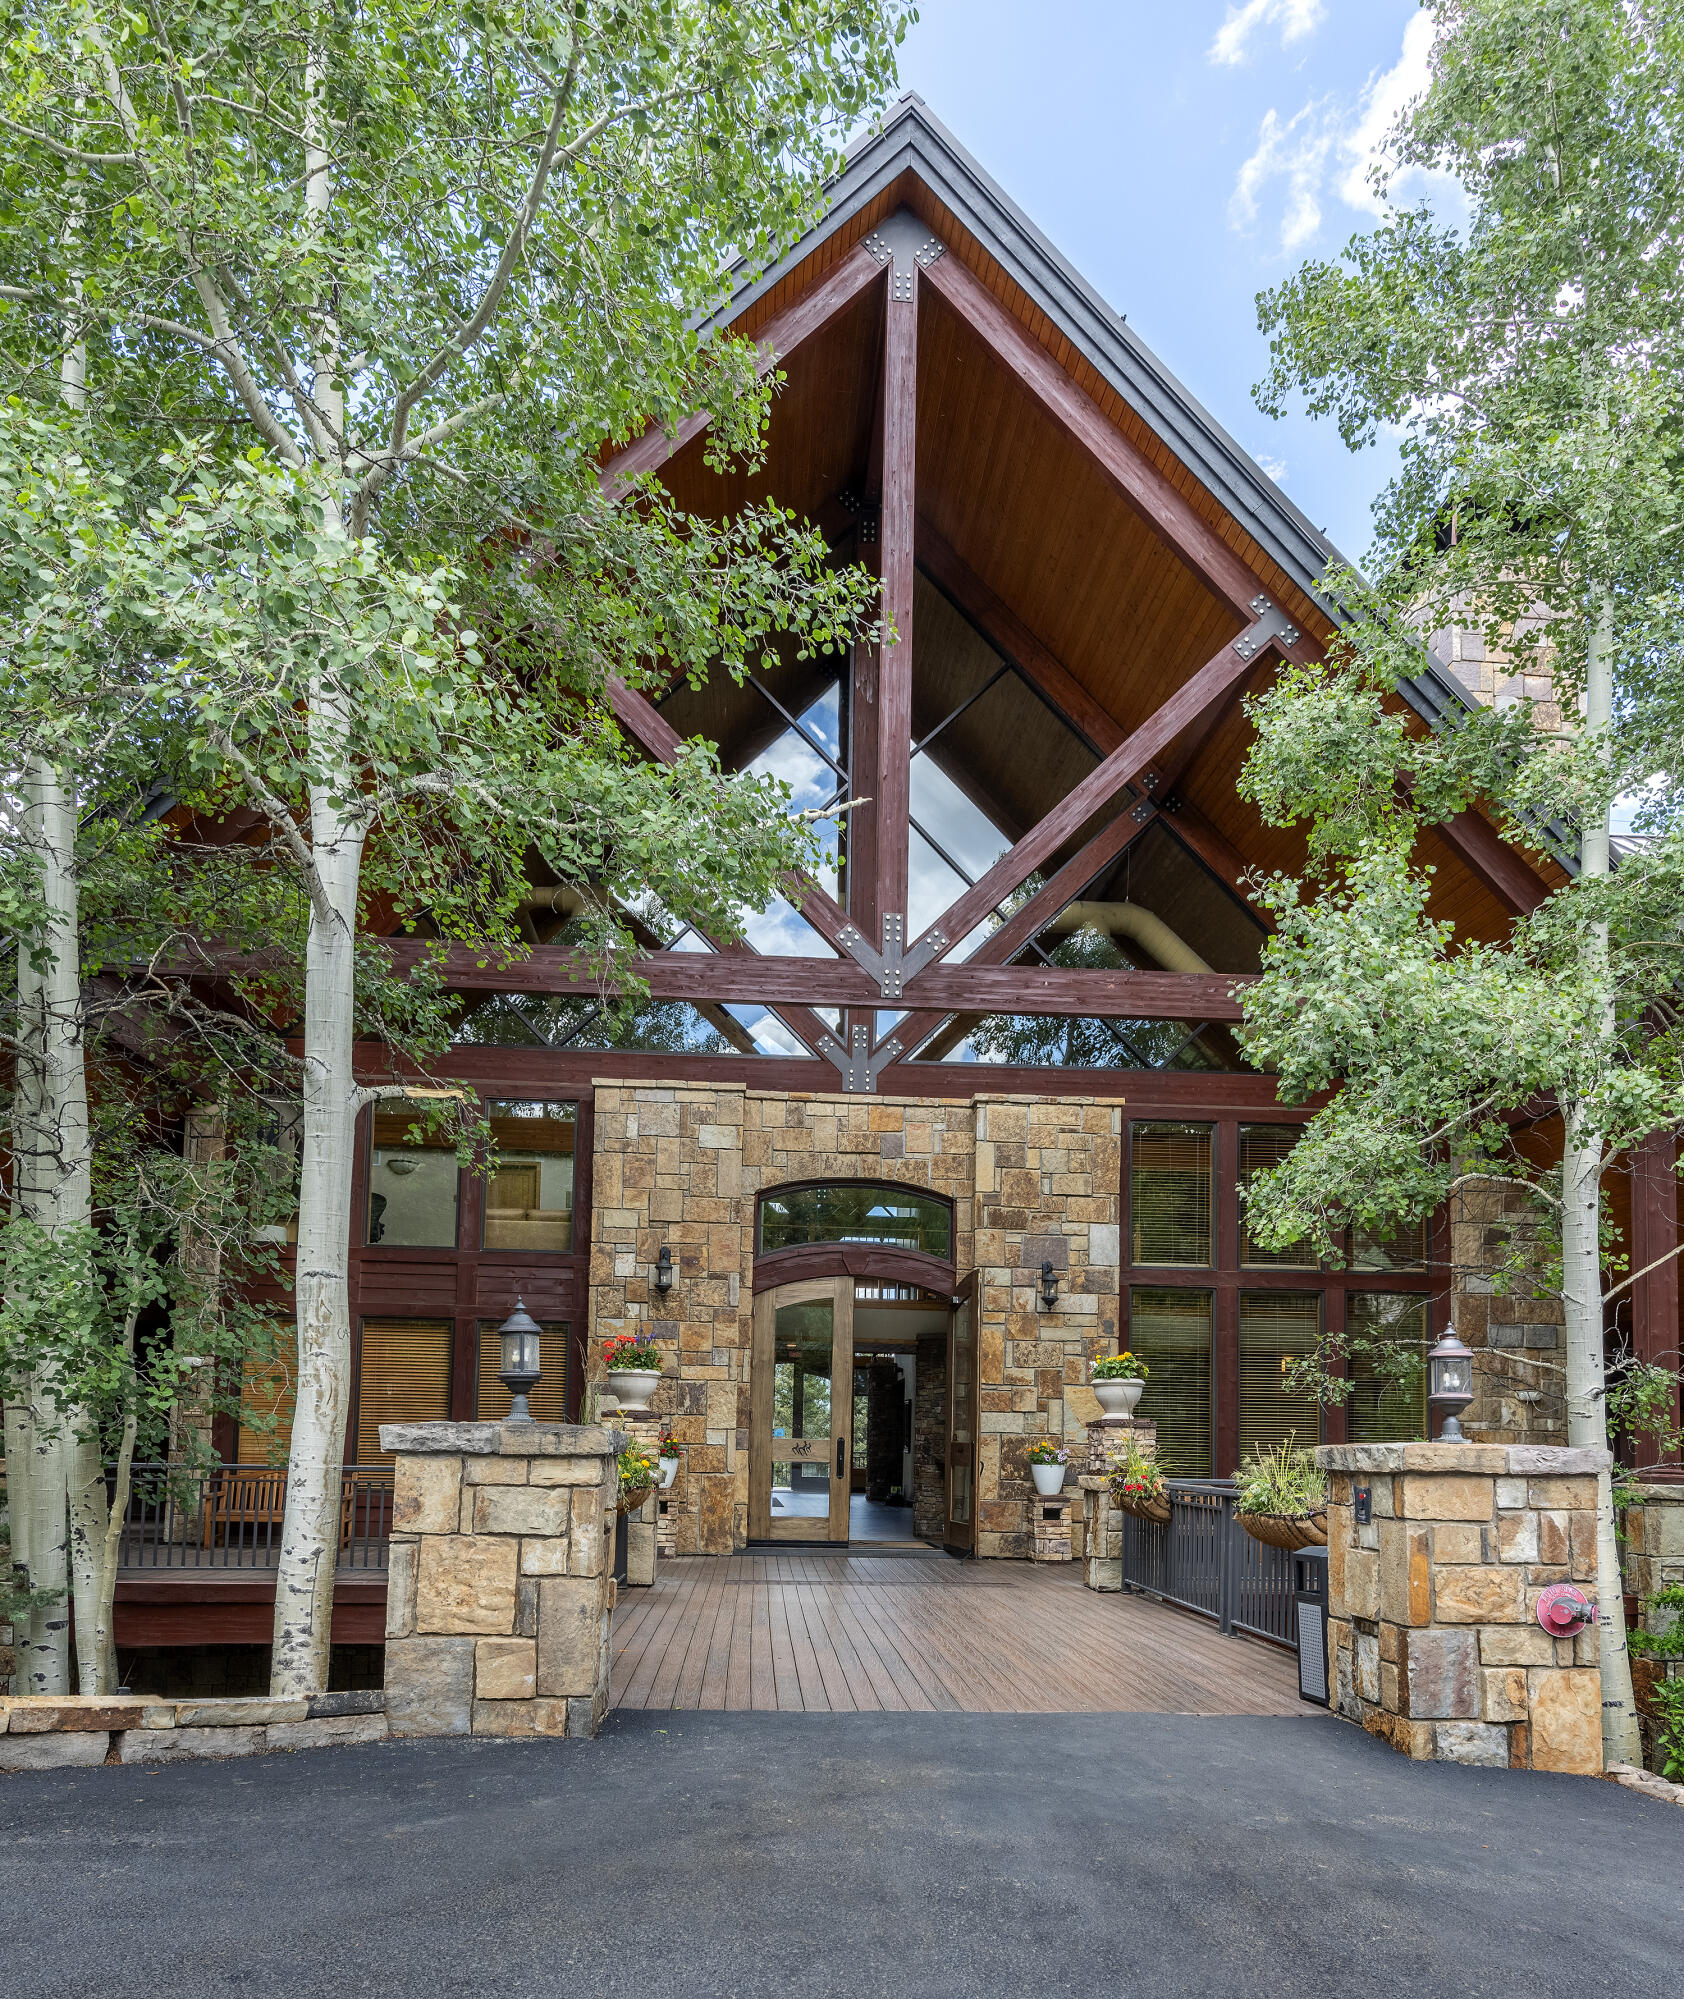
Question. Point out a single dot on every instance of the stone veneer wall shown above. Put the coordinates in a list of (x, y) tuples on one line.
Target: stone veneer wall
[(1432, 1604), (499, 1586), (1518, 1335), (1030, 1179)]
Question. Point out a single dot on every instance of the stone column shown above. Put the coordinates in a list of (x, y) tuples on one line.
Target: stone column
[(500, 1585), (1432, 1602), (1102, 1558)]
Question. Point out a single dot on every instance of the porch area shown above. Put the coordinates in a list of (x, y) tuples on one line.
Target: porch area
[(854, 1632)]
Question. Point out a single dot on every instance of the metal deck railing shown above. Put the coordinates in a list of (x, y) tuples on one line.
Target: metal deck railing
[(1203, 1560), (229, 1517)]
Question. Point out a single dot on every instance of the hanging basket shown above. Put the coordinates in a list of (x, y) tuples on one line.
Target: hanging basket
[(1290, 1531), (1142, 1505), (634, 1500)]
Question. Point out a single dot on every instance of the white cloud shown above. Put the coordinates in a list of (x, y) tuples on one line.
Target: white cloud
[(1329, 148), (1271, 467), (1297, 18)]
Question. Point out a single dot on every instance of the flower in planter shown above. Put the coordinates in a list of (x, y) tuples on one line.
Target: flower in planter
[(1135, 1474), (637, 1469), (1046, 1452), (1123, 1366), (625, 1353), (669, 1443)]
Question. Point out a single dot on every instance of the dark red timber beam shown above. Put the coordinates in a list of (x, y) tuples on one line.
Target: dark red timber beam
[(1169, 513), (776, 341), (743, 977), (1507, 874), (1213, 684)]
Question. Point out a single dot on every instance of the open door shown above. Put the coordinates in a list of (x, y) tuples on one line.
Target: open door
[(959, 1531), (801, 1402)]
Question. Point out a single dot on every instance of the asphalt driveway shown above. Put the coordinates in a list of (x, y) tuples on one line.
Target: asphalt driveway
[(812, 1855)]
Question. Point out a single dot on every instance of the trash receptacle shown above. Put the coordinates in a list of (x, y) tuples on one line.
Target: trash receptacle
[(1309, 1591)]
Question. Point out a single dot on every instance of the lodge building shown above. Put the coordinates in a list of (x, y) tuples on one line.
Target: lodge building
[(967, 1110)]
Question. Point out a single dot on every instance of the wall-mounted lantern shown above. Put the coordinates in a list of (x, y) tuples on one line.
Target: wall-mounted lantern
[(1049, 1285), (1450, 1383), (663, 1271), (519, 1373)]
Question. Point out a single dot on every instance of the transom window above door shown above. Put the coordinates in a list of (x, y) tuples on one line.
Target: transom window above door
[(852, 1211)]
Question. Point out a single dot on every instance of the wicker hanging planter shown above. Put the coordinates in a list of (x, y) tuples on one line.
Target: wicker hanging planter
[(1144, 1506), (1290, 1531), (634, 1500)]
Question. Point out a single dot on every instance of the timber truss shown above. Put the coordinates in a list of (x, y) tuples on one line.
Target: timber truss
[(878, 965)]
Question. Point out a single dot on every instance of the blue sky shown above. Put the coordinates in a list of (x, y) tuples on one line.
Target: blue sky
[(1185, 157)]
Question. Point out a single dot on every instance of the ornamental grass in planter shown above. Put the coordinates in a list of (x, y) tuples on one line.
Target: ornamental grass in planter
[(1280, 1497), (1137, 1485)]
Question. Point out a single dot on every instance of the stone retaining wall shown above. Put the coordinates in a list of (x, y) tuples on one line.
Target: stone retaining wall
[(72, 1731), (1432, 1603), (500, 1582)]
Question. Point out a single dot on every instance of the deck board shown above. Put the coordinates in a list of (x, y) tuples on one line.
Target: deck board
[(807, 1630)]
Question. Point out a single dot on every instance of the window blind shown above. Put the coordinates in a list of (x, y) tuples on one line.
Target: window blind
[(403, 1376), (1388, 1404), (548, 1401), (1170, 1331), (1397, 1249), (267, 1390), (1276, 1328), (1170, 1193), (1263, 1146)]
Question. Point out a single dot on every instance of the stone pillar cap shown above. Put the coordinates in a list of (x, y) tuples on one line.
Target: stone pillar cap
[(1471, 1460), (502, 1440)]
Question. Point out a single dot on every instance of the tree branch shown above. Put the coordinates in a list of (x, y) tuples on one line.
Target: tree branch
[(74, 153), (1644, 1272), (497, 284), (279, 815)]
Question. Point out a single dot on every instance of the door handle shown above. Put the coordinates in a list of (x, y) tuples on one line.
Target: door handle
[(841, 1454)]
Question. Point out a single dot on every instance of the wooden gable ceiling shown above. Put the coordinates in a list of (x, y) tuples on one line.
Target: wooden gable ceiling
[(1024, 507)]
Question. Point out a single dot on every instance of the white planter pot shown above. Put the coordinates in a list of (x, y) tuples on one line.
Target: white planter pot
[(1049, 1479), (669, 1471), (633, 1388), (1117, 1398)]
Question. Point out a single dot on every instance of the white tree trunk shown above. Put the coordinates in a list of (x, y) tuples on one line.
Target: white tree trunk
[(310, 1534), (65, 1187), (1581, 1275)]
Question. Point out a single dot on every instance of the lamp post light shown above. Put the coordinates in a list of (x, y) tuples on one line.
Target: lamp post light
[(1049, 1285), (519, 1333), (1450, 1383), (663, 1271)]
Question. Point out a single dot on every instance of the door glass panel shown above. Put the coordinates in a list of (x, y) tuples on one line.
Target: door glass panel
[(803, 1342)]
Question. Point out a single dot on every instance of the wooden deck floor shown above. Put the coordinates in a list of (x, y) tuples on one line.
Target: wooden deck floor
[(820, 1632)]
